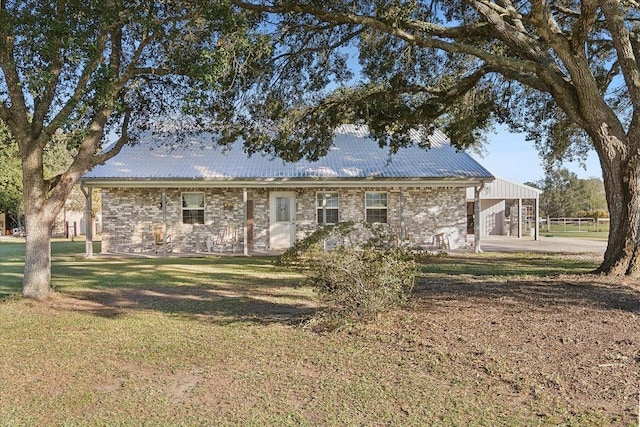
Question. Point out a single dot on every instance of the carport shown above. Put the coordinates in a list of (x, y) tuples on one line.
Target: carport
[(506, 209)]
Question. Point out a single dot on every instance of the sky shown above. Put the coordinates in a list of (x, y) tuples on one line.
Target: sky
[(510, 156)]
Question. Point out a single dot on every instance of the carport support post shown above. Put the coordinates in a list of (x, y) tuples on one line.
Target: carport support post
[(537, 224), (519, 218), (402, 221), (477, 248), (164, 222), (245, 232), (88, 224)]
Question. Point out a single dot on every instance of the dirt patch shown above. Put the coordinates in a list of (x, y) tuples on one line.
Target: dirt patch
[(568, 341)]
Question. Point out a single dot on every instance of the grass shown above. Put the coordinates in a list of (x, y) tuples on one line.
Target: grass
[(505, 265), (588, 232), (217, 341), (588, 235)]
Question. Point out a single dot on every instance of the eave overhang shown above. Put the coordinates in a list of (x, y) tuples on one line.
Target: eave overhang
[(283, 182)]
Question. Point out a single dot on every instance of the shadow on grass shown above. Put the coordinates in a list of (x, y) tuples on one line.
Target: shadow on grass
[(200, 304), (539, 280), (222, 290), (550, 293), (217, 289), (507, 264)]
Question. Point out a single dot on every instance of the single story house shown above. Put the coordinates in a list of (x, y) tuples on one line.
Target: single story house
[(199, 196)]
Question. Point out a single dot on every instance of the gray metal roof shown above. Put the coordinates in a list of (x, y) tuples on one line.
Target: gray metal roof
[(353, 155), (502, 188)]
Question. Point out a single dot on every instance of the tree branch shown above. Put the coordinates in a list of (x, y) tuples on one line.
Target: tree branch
[(17, 114), (335, 45), (81, 85), (121, 142), (584, 24), (42, 104), (629, 63), (399, 30)]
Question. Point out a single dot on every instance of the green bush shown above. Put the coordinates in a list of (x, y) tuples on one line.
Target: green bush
[(355, 282)]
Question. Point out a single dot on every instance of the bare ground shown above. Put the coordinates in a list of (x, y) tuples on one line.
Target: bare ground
[(564, 347)]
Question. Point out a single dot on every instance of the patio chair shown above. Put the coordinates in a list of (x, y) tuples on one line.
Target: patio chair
[(160, 240), (227, 236), (441, 241)]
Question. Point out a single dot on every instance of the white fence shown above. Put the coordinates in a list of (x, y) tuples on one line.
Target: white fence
[(576, 224)]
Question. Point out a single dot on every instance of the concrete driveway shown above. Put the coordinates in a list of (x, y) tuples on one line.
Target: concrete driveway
[(543, 244)]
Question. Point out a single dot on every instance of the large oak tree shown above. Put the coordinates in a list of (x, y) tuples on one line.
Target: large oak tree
[(86, 71), (567, 72)]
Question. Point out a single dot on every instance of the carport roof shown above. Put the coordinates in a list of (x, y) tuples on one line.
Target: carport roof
[(503, 189)]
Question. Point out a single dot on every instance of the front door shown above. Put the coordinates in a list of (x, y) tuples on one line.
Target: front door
[(282, 231)]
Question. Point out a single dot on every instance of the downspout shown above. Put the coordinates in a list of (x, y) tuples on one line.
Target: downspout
[(88, 223), (477, 247)]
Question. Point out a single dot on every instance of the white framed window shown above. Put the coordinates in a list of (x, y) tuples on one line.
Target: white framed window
[(375, 205), (327, 207), (193, 208)]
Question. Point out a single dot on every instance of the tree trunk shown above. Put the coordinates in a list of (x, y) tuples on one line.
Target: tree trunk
[(37, 262), (39, 212), (621, 174)]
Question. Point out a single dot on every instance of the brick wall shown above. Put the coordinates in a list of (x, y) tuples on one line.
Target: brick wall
[(130, 216)]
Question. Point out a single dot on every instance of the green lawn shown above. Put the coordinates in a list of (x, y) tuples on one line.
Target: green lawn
[(590, 235), (221, 341)]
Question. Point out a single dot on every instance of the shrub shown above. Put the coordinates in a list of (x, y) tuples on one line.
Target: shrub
[(355, 282)]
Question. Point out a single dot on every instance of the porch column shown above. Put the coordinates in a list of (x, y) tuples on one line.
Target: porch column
[(88, 223), (164, 222), (477, 247), (537, 224), (245, 232), (519, 218)]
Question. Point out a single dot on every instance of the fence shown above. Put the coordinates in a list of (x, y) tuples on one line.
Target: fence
[(576, 224)]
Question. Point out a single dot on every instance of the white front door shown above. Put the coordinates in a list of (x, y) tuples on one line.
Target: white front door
[(282, 230)]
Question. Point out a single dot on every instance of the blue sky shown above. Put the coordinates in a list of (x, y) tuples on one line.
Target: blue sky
[(510, 156)]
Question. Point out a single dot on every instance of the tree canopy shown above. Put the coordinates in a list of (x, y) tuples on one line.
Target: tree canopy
[(566, 73), (84, 72)]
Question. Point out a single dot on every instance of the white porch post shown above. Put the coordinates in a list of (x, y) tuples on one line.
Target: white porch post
[(164, 222), (537, 224), (519, 218), (402, 222), (88, 223), (245, 232), (477, 247)]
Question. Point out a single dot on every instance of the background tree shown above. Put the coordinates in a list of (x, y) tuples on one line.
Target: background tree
[(10, 179), (80, 70), (56, 158), (562, 194), (566, 73), (594, 198)]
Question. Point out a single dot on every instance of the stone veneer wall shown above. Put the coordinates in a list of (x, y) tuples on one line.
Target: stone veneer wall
[(130, 215), (426, 212)]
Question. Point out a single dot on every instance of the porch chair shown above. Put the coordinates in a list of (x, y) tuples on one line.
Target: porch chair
[(227, 236), (160, 241)]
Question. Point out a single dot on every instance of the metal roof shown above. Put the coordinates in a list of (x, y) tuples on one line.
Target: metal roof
[(353, 155), (502, 188)]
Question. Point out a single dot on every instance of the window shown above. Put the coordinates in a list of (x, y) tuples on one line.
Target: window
[(376, 207), (283, 209), (193, 208), (327, 204)]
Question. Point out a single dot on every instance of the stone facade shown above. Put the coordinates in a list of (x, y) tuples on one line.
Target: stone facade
[(424, 216)]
